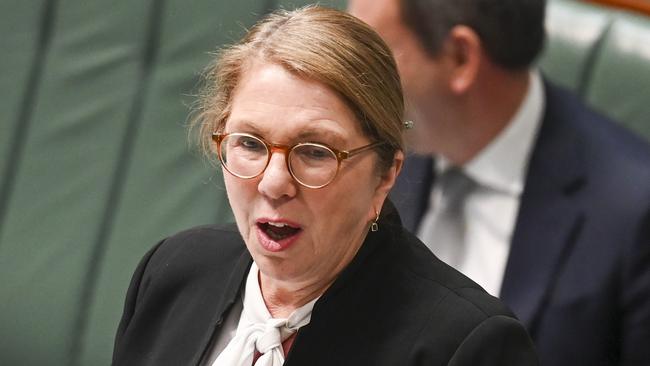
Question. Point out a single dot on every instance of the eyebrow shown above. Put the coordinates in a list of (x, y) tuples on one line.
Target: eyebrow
[(247, 126), (308, 134), (315, 135)]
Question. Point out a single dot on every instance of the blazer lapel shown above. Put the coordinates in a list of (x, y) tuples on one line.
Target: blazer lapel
[(411, 191), (549, 217), (232, 289)]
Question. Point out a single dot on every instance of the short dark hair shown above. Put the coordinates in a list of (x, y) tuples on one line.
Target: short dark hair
[(511, 31)]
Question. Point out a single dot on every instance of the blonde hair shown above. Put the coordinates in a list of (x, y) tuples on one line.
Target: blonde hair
[(321, 44)]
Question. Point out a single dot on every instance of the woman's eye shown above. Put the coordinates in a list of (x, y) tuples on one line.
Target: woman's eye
[(250, 143), (316, 153)]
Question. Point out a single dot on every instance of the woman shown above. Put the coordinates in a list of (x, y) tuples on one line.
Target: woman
[(304, 115)]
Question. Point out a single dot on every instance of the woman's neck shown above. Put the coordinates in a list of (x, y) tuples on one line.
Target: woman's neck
[(282, 298)]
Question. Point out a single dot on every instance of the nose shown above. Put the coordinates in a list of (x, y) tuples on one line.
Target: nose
[(276, 180)]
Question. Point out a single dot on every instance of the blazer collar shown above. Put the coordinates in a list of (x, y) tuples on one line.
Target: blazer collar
[(389, 222), (549, 218), (232, 290), (412, 189), (311, 336)]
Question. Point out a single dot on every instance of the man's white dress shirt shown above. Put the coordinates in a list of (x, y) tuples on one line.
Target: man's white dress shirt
[(490, 209)]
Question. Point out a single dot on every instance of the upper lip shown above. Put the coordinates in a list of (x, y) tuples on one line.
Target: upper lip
[(278, 222)]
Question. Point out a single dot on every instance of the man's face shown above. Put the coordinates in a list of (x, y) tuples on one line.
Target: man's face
[(421, 73)]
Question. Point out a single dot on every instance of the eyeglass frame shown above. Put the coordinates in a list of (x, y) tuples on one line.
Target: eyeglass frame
[(271, 148)]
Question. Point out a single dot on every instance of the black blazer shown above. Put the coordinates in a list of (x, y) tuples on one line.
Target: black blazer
[(578, 272), (395, 304)]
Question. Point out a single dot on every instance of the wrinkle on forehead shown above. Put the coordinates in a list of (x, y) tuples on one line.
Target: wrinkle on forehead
[(282, 107)]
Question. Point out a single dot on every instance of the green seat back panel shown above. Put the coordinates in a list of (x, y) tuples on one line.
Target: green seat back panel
[(573, 30), (620, 82), (20, 27), (58, 204), (168, 187)]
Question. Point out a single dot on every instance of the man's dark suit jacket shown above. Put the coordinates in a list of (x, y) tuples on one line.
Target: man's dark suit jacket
[(395, 304), (578, 273)]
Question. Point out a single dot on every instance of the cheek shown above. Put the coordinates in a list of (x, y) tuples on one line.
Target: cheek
[(347, 206), (240, 194), (341, 227)]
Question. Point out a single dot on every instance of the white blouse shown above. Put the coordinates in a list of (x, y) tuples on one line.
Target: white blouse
[(249, 326)]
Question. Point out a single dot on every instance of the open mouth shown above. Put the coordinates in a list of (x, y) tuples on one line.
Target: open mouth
[(278, 230)]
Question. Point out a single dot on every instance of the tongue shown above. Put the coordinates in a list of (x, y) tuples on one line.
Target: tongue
[(279, 233)]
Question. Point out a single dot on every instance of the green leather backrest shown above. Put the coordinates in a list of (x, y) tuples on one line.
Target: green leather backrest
[(574, 30), (81, 115), (20, 42), (603, 55), (619, 85)]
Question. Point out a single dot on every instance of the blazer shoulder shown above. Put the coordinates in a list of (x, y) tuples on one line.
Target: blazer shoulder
[(206, 234), (453, 288), (577, 142), (199, 245), (498, 340), (603, 137), (461, 321), (170, 285)]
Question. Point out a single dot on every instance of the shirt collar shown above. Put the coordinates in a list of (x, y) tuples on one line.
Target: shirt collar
[(501, 165)]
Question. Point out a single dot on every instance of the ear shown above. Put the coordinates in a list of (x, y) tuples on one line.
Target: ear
[(463, 49), (387, 181)]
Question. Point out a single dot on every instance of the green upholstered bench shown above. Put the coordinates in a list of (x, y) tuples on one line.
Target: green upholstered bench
[(603, 54), (95, 166)]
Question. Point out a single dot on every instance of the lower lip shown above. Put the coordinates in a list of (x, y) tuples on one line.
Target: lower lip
[(275, 245)]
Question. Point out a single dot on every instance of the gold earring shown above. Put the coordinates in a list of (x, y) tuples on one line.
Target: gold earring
[(375, 226)]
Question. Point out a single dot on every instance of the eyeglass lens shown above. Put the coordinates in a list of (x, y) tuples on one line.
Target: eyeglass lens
[(246, 156)]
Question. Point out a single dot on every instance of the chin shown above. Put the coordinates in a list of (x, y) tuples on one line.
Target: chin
[(276, 268)]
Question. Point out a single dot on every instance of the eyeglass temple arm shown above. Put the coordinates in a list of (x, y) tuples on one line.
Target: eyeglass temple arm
[(347, 154)]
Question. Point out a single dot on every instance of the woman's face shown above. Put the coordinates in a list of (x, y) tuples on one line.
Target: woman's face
[(326, 226)]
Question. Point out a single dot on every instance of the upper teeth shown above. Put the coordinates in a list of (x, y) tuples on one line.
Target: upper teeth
[(277, 224)]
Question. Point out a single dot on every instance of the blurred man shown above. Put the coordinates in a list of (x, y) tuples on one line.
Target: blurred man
[(518, 185)]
